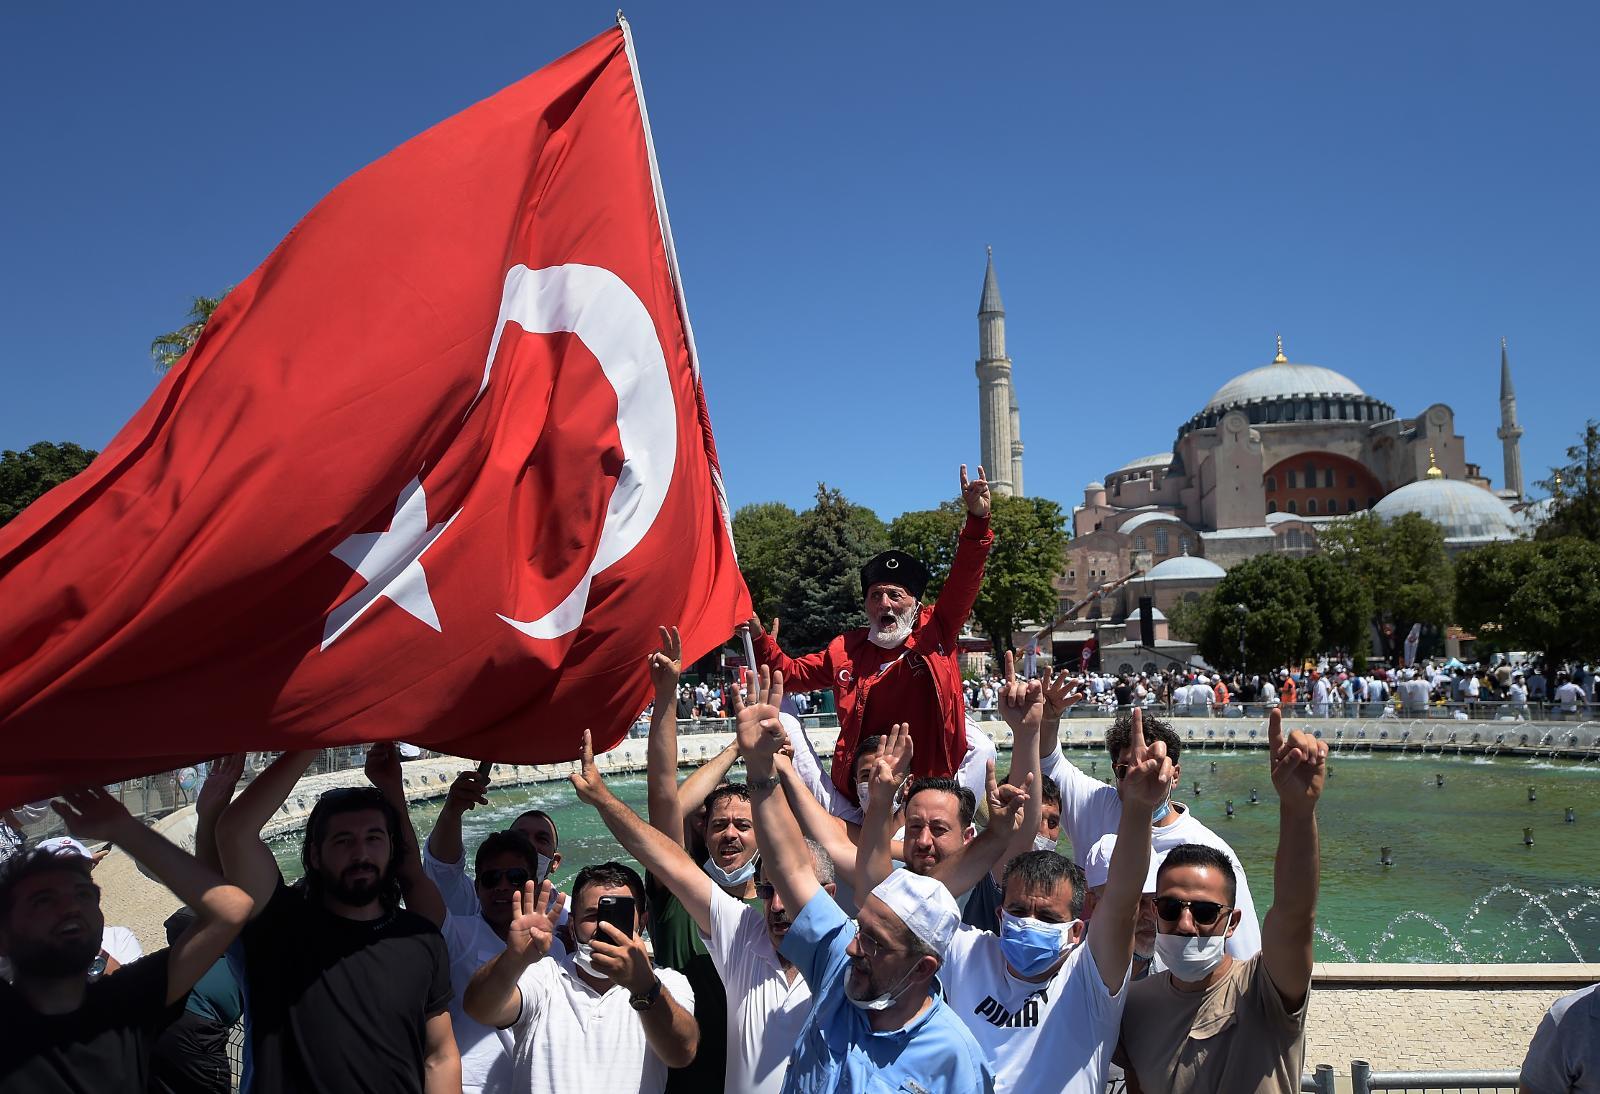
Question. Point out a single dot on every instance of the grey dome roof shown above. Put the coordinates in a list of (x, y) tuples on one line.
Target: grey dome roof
[(1156, 616), (1468, 514), (1147, 518), (1159, 459), (1282, 381), (1186, 567)]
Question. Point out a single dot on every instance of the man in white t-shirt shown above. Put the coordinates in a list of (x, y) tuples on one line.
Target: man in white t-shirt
[(1091, 809), (1569, 696), (768, 1000), (1044, 1006), (603, 1018)]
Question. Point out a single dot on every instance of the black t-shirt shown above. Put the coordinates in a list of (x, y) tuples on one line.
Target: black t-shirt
[(104, 1045), (983, 906), (339, 1005)]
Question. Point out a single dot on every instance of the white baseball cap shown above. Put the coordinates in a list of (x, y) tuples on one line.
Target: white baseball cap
[(924, 905), (64, 845), (1097, 865)]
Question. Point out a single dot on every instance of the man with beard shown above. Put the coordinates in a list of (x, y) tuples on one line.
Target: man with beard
[(769, 998), (878, 1022), (344, 989), (905, 665), (62, 1032)]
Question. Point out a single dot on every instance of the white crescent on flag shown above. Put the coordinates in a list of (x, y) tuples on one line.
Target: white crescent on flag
[(610, 319)]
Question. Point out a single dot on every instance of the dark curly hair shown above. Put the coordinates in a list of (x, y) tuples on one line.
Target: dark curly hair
[(1155, 729)]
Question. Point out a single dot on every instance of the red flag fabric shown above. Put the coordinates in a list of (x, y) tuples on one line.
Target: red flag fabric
[(435, 471)]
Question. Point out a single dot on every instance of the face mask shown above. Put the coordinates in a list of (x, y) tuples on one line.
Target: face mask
[(1161, 814), (886, 1000), (1190, 958), (584, 959), (1043, 843), (1030, 946), (545, 862), (726, 879), (862, 790)]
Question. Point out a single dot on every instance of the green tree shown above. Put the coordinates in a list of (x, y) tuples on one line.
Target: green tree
[(930, 535), (1030, 544), (1402, 565), (1262, 615), (1187, 620), (169, 348), (1575, 492), (766, 535), (835, 538), (1541, 596), (26, 475), (1344, 607)]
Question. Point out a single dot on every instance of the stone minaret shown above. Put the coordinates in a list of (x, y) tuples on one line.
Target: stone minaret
[(1016, 447), (999, 448), (1509, 431)]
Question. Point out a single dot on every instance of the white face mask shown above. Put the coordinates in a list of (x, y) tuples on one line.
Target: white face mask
[(728, 879), (862, 790), (886, 1000), (1044, 843), (1188, 957), (584, 959)]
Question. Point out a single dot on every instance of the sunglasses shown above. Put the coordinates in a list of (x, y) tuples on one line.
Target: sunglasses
[(766, 890), (517, 876), (1203, 912)]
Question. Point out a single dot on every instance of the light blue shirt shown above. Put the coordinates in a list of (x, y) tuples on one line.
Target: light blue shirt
[(838, 1050)]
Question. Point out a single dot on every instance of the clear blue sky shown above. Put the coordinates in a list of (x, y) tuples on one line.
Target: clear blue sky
[(1394, 187)]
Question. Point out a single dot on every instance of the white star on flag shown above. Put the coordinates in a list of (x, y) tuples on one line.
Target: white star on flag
[(391, 563)]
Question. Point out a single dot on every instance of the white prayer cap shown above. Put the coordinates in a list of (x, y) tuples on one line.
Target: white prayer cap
[(64, 845), (1097, 866), (924, 905)]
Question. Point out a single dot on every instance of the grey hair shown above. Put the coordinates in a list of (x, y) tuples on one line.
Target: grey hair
[(822, 863)]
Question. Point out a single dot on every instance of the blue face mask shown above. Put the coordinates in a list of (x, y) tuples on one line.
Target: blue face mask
[(1030, 946), (1161, 814), (728, 879)]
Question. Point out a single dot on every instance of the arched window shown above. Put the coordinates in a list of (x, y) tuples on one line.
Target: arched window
[(1350, 505), (1311, 505), (1272, 507), (1292, 508), (1333, 505), (1272, 484), (1327, 476), (1163, 542), (1291, 480)]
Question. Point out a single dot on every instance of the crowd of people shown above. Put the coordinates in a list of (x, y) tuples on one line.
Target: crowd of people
[(873, 924)]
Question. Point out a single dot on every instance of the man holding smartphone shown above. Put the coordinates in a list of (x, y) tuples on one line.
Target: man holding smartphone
[(602, 1018)]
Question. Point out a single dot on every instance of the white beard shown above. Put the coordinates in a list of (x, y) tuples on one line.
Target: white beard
[(896, 633)]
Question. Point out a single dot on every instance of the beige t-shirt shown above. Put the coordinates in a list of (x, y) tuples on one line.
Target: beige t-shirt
[(1234, 1038)]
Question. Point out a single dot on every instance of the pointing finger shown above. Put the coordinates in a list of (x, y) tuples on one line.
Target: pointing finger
[(964, 481), (1275, 731)]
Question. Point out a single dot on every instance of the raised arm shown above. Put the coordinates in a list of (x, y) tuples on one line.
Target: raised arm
[(986, 853), (1061, 692), (246, 860), (665, 860), (215, 794), (704, 779), (221, 910), (422, 895), (837, 837), (802, 673), (468, 791), (1299, 769), (493, 997), (1022, 706), (890, 765), (961, 587), (1116, 915), (661, 750), (669, 1027), (783, 848)]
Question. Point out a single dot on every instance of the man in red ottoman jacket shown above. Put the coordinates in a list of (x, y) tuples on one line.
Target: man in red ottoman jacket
[(905, 665)]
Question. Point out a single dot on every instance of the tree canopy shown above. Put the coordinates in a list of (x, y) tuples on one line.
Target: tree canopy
[(168, 349), (765, 535), (1539, 596), (1030, 544), (25, 476), (1402, 565), (1261, 616), (1574, 491), (834, 538)]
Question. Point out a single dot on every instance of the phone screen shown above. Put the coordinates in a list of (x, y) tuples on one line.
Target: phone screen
[(617, 911)]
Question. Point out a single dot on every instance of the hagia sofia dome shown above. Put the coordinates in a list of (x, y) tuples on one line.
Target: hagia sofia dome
[(1467, 513)]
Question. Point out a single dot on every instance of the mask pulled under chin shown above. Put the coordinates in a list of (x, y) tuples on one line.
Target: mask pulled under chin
[(1043, 843), (728, 879), (584, 959), (1188, 957), (1161, 813), (884, 1001)]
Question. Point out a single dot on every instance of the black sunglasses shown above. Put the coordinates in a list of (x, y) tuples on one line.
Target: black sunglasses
[(1203, 912), (766, 890), (517, 876)]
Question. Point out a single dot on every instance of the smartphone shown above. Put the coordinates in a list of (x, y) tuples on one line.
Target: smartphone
[(485, 767), (617, 911)]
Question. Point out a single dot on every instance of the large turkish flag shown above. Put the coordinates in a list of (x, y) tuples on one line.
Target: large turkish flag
[(435, 471)]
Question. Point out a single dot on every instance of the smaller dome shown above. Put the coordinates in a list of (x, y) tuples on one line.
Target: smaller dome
[(1146, 518), (1186, 567), (1095, 485), (1467, 513), (1159, 459), (1156, 616)]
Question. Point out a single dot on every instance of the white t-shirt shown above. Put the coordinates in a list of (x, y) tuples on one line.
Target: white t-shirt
[(766, 1011), (571, 1038), (1071, 1020), (1091, 809), (485, 1052), (1569, 695), (459, 893), (121, 943)]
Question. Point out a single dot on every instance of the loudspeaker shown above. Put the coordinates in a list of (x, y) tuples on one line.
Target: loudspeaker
[(1147, 623)]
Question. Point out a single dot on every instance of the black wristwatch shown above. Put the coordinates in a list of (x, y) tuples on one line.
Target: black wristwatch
[(648, 999), (771, 782)]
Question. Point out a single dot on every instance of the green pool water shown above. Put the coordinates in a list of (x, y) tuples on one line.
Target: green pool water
[(1463, 886)]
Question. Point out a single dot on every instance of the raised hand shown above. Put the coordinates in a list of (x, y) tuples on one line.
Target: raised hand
[(1148, 774), (890, 765), (1299, 765), (383, 770), (975, 492), (534, 911), (587, 780), (221, 781), (760, 733), (467, 792), (666, 665), (757, 630), (1006, 801), (92, 814), (622, 958), (1061, 691), (1021, 701)]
